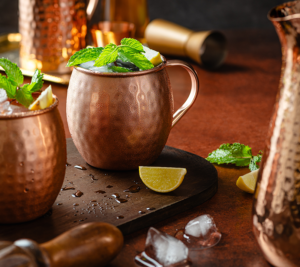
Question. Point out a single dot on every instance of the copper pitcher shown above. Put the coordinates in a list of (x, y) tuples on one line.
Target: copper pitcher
[(120, 121), (52, 31), (276, 210), (32, 163)]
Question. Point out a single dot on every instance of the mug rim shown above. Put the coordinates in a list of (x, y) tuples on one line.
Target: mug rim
[(285, 18), (159, 67), (30, 113)]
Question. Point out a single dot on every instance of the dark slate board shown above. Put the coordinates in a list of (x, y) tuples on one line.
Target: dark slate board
[(199, 185)]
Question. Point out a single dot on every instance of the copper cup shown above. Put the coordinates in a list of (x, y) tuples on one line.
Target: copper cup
[(120, 121), (33, 162), (106, 32)]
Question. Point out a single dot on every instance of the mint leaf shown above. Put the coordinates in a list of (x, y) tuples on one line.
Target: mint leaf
[(85, 55), (24, 96), (135, 44), (236, 153), (108, 55), (254, 162), (136, 58), (8, 87), (12, 71), (36, 81), (120, 69)]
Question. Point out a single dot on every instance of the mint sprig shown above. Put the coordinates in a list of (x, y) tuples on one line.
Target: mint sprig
[(84, 55), (119, 69), (236, 153), (12, 83), (130, 50)]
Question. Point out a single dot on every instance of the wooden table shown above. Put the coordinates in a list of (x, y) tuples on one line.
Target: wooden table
[(234, 105)]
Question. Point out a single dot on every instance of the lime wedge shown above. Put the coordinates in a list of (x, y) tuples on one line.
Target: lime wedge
[(162, 179), (152, 55), (247, 182), (43, 101)]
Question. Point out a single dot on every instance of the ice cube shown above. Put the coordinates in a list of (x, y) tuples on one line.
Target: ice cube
[(104, 69), (200, 233), (5, 108), (3, 95), (87, 65), (162, 249)]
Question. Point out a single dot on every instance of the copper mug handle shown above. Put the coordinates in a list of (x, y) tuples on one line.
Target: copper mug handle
[(194, 89), (90, 10)]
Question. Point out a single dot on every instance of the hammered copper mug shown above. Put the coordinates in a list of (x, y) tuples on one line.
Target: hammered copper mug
[(32, 163), (120, 121)]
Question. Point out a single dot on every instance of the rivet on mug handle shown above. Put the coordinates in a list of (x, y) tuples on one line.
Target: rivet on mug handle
[(90, 10), (194, 89)]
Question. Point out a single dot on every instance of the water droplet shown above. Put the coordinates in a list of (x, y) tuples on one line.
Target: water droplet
[(100, 191), (81, 220), (115, 195), (120, 217), (80, 167), (142, 212), (133, 189), (93, 205), (121, 200), (32, 171), (75, 204), (26, 190), (67, 188), (21, 164), (77, 194), (151, 208), (59, 203), (68, 164), (109, 186), (93, 200)]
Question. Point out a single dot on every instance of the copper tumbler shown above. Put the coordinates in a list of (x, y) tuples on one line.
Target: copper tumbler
[(52, 31), (33, 162), (120, 121)]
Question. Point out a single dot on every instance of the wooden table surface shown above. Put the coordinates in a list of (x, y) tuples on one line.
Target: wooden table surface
[(234, 105)]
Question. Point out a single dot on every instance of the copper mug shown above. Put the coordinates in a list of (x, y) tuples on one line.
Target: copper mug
[(120, 121), (32, 163), (52, 31)]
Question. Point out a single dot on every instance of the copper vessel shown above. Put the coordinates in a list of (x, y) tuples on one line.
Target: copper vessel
[(32, 163), (133, 11), (208, 48), (276, 210), (122, 120), (106, 32), (52, 31)]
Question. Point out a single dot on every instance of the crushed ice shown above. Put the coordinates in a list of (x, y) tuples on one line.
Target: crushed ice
[(4, 104)]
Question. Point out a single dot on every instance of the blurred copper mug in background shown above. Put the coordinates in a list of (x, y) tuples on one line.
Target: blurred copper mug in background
[(133, 11), (207, 48), (120, 121), (52, 31), (33, 162), (106, 32)]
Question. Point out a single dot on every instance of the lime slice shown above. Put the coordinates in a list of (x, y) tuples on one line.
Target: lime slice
[(162, 179), (43, 101), (247, 182), (152, 55)]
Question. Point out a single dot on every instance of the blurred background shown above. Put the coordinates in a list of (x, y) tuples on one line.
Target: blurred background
[(194, 14)]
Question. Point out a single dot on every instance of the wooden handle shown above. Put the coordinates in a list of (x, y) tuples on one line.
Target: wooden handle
[(88, 245)]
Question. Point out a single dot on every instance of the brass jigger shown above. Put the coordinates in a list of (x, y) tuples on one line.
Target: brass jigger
[(88, 245), (208, 48)]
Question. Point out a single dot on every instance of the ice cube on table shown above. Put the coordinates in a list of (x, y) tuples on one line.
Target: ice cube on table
[(162, 249), (200, 233)]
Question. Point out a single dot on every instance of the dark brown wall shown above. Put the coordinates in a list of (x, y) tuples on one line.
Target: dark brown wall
[(194, 14)]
